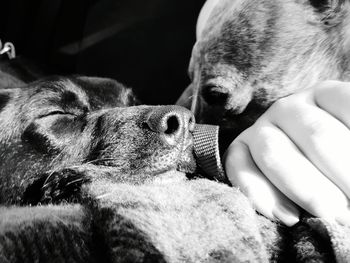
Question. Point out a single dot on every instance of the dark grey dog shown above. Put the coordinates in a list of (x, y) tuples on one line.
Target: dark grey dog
[(92, 123)]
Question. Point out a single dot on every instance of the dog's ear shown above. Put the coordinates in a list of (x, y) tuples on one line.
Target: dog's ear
[(330, 12), (105, 92)]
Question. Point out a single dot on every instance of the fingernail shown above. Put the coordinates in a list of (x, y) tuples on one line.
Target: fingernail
[(287, 213)]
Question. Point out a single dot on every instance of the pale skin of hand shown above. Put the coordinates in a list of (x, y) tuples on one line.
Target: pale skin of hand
[(297, 155)]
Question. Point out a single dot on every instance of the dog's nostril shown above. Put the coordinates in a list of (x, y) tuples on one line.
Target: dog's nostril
[(172, 125), (214, 95)]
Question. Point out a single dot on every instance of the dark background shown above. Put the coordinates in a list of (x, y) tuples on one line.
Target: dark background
[(145, 44)]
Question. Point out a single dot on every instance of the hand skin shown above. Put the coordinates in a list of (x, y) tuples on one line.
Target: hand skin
[(297, 155)]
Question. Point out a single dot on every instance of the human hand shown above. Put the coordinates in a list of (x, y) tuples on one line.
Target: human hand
[(297, 154)]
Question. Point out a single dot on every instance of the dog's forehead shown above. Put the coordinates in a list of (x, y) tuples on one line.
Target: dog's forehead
[(58, 86), (105, 92), (235, 33), (204, 15), (58, 90), (214, 13), (249, 19), (82, 92)]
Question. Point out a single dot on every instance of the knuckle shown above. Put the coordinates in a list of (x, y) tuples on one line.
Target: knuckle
[(245, 136), (230, 156), (261, 137), (236, 152), (328, 83), (267, 145), (328, 87), (266, 132), (321, 88), (281, 104), (285, 106)]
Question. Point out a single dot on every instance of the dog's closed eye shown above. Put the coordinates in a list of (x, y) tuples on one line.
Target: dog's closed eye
[(62, 112), (54, 112)]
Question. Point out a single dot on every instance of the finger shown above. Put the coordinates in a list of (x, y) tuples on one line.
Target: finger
[(286, 167), (323, 139), (334, 97), (266, 198)]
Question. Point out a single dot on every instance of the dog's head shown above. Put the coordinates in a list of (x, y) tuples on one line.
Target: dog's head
[(63, 122), (250, 53)]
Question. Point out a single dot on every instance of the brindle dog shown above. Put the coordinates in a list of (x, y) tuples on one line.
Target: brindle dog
[(54, 125), (250, 53)]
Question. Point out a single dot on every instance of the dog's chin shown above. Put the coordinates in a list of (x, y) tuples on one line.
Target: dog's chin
[(187, 165), (184, 169), (181, 167)]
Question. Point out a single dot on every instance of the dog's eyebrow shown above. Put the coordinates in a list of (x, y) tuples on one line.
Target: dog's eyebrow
[(73, 94)]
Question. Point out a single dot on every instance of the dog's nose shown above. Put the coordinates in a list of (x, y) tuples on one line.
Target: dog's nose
[(173, 123)]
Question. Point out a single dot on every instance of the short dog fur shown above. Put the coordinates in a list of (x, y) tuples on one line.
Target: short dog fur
[(59, 122), (250, 53)]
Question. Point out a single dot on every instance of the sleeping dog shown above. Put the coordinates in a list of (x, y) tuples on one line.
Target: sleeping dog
[(54, 123)]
